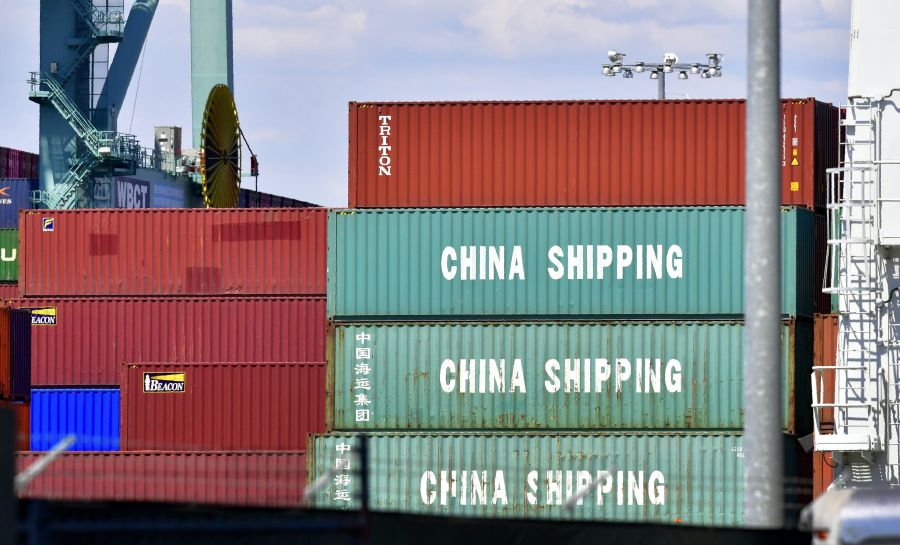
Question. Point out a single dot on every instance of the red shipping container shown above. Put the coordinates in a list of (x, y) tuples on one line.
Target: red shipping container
[(221, 406), (823, 472), (84, 341), (8, 292), (22, 413), (173, 252), (825, 338), (265, 479), (576, 153)]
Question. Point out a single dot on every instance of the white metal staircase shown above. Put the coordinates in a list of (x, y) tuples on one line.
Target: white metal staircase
[(105, 25), (854, 274)]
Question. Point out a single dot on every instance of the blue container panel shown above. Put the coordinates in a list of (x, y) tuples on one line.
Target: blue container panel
[(15, 195), (91, 414)]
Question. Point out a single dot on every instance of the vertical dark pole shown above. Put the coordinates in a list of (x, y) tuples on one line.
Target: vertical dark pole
[(661, 86), (7, 476), (763, 455)]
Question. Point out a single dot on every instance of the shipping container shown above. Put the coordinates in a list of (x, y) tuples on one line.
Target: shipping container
[(15, 195), (606, 262), (556, 376), (8, 292), (823, 472), (20, 410), (84, 341), (90, 414), (4, 162), (577, 153), (264, 479), (221, 406), (248, 198), (9, 255), (825, 333), (174, 252), (696, 479), (15, 354)]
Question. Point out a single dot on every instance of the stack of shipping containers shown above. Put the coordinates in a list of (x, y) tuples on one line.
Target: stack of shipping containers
[(184, 349), (525, 298), (18, 177)]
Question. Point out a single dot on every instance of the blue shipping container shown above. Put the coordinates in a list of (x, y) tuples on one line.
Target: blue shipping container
[(15, 195), (91, 414)]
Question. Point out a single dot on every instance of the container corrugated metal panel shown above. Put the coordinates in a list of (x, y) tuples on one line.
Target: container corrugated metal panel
[(249, 198), (390, 263), (266, 479), (223, 406), (825, 333), (6, 367), (576, 153), (666, 478), (90, 414), (8, 291), (9, 255), (559, 376), (174, 252), (16, 359), (15, 195), (92, 337), (21, 412), (823, 472)]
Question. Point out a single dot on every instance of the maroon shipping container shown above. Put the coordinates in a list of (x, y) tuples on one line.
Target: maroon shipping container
[(266, 479), (8, 292), (221, 406), (84, 341), (22, 413), (173, 252), (823, 472), (576, 153), (825, 337), (15, 354), (4, 162)]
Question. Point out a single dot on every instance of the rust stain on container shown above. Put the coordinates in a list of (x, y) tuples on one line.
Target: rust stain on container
[(173, 252), (92, 337), (823, 472), (576, 153), (221, 406), (267, 479)]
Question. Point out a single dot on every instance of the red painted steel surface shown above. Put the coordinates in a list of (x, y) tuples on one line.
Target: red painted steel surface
[(272, 479), (224, 406), (94, 336), (22, 413), (823, 472), (576, 153), (825, 336), (8, 292), (6, 367), (173, 252)]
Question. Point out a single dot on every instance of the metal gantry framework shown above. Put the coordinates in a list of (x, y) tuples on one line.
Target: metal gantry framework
[(101, 25), (865, 436)]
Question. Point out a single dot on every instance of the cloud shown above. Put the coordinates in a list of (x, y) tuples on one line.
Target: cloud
[(516, 27), (276, 30)]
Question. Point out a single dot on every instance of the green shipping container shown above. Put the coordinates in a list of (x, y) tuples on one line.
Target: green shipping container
[(555, 376), (9, 255), (563, 262), (665, 478)]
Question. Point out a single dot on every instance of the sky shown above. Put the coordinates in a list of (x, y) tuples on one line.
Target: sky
[(297, 63)]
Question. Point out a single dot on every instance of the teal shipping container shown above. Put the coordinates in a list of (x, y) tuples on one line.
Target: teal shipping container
[(556, 376), (564, 262), (662, 478)]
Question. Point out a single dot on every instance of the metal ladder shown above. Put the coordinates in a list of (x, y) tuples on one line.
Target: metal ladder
[(854, 274)]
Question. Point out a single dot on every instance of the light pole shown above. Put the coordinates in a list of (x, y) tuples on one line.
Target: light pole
[(712, 68)]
